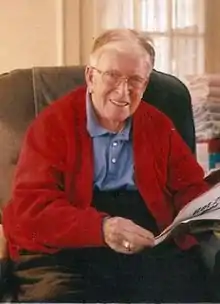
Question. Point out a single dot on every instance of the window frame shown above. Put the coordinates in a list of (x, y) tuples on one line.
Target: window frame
[(172, 34)]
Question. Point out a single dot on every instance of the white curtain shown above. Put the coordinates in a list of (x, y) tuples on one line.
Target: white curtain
[(176, 27), (116, 14)]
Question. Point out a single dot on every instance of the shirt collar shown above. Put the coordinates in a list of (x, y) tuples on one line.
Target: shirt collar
[(95, 129)]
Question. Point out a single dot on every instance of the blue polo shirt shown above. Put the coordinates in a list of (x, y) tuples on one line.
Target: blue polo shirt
[(113, 154)]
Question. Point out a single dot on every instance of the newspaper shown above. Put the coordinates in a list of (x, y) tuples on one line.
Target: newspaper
[(201, 214)]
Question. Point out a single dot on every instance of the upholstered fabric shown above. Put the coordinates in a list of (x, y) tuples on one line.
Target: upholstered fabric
[(16, 111), (23, 93), (171, 96), (51, 83)]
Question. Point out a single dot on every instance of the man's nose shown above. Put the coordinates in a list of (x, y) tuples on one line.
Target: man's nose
[(123, 86)]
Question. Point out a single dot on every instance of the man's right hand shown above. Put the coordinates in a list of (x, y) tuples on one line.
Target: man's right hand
[(124, 236)]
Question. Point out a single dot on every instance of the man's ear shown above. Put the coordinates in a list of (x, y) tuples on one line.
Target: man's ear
[(89, 78)]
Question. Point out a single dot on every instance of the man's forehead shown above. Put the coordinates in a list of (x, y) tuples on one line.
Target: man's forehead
[(123, 61)]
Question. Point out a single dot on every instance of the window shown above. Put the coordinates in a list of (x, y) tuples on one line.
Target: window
[(177, 29)]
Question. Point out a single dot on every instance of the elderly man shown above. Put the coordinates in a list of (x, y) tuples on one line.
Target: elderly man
[(100, 174)]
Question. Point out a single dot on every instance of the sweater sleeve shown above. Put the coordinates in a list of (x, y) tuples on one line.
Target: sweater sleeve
[(39, 216), (185, 176)]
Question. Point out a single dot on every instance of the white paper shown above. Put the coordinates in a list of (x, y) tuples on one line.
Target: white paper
[(205, 208)]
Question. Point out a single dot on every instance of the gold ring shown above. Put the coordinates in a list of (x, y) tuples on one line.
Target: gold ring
[(127, 245)]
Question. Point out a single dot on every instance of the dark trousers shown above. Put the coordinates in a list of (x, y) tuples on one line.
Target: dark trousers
[(161, 274)]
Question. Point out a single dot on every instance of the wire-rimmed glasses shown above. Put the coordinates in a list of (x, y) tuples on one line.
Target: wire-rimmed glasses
[(114, 79)]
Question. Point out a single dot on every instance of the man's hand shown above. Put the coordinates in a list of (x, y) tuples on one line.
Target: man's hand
[(3, 244), (124, 236)]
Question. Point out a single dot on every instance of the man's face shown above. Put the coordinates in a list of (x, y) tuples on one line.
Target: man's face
[(117, 84)]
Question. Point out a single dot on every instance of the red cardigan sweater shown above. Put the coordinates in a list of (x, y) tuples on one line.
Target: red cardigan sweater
[(51, 208)]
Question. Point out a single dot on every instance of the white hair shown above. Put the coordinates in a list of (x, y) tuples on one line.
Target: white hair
[(123, 40)]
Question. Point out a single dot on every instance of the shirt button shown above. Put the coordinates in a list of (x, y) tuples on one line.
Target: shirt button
[(115, 144), (113, 160)]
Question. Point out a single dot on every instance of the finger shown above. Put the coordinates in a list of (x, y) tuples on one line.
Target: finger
[(130, 247), (131, 250), (121, 248), (137, 240), (131, 227), (118, 230)]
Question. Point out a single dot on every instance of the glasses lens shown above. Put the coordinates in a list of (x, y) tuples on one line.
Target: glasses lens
[(111, 78), (136, 82)]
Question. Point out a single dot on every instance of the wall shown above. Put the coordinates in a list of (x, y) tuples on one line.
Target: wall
[(47, 32), (70, 27), (212, 37), (39, 33), (90, 12), (27, 33)]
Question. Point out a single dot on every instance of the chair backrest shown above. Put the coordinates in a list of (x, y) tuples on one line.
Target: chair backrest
[(23, 93), (170, 95)]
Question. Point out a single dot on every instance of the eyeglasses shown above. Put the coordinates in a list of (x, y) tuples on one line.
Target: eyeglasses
[(114, 79)]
